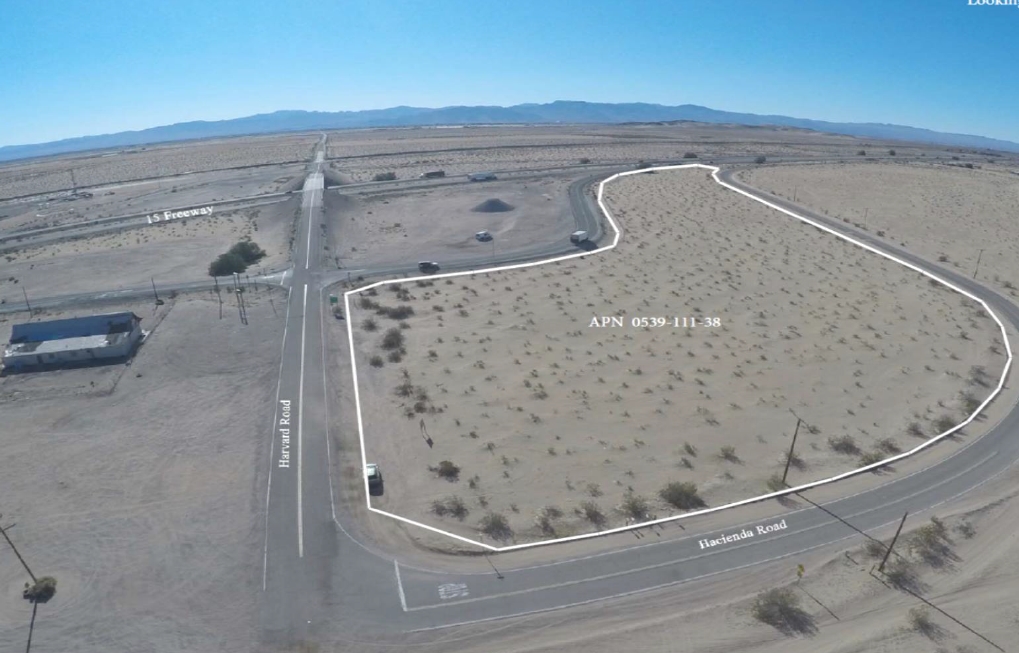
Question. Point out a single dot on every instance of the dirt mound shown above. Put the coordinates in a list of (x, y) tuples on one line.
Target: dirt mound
[(493, 206)]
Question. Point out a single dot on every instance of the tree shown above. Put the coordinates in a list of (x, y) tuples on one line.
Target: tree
[(226, 264), (248, 251)]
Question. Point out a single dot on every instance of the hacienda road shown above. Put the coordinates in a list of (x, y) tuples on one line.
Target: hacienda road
[(426, 599)]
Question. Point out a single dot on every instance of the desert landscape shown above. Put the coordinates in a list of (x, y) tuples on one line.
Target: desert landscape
[(946, 212), (140, 486), (504, 411)]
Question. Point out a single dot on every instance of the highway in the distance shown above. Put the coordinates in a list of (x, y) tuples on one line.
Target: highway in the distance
[(317, 578)]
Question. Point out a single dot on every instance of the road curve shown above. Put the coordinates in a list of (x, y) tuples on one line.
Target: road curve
[(434, 599)]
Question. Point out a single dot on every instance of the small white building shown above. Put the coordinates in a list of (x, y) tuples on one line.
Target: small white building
[(110, 337)]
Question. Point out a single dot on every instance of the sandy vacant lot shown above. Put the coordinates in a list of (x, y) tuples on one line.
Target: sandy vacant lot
[(943, 213), (439, 224), (562, 427), (175, 251), (90, 169), (143, 499)]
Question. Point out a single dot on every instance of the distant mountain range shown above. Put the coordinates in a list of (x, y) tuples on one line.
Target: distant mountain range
[(554, 112)]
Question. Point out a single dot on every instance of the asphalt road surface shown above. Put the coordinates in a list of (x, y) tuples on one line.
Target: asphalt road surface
[(318, 577)]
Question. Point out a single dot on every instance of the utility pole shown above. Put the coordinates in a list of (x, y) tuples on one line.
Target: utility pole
[(25, 293), (3, 531), (789, 456), (979, 256), (497, 574), (154, 293), (881, 567)]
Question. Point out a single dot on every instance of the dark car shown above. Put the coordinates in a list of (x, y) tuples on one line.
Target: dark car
[(428, 266), (374, 475)]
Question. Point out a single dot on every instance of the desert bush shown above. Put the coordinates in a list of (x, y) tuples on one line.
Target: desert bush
[(920, 621), (780, 609), (585, 160), (944, 423), (970, 402), (844, 444), (690, 449), (861, 153), (447, 470), (393, 339), (593, 513), (453, 506), (634, 506), (396, 312), (384, 176), (891, 152), (495, 526), (915, 429), (545, 519), (681, 495), (930, 543), (44, 589), (870, 458), (902, 573), (775, 483), (888, 445), (728, 452), (376, 361), (369, 324), (395, 356)]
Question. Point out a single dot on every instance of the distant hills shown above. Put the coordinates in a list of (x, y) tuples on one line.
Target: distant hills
[(553, 112)]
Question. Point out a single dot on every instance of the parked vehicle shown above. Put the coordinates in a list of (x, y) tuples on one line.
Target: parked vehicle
[(374, 474), (482, 176), (433, 174), (483, 236), (578, 237), (428, 266)]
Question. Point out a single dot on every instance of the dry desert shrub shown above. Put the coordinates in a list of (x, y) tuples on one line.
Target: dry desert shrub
[(495, 526), (682, 495)]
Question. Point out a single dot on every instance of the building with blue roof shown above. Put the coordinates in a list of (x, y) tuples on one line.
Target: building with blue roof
[(111, 337)]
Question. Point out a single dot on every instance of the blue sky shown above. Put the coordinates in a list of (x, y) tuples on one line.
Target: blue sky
[(78, 68)]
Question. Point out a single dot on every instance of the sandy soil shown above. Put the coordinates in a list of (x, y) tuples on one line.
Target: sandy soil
[(943, 213), (150, 196), (175, 251), (145, 502), (440, 224), (155, 161), (856, 613), (539, 409)]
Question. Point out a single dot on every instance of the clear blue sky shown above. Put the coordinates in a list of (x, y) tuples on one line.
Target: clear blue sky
[(73, 68)]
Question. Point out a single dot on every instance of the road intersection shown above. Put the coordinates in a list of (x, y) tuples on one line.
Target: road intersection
[(316, 573)]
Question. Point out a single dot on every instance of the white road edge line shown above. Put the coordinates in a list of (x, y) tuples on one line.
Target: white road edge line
[(399, 585), (615, 241), (698, 556), (272, 446), (300, 419), (325, 400)]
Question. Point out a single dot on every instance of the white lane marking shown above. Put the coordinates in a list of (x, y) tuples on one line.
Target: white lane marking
[(697, 556), (325, 400), (399, 585), (695, 578), (300, 417), (272, 448)]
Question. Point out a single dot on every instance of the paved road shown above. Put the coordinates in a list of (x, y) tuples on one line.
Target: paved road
[(317, 577)]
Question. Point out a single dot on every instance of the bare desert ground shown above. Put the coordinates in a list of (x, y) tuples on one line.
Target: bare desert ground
[(140, 493), (98, 169), (947, 214), (439, 224), (845, 607), (179, 250), (151, 196), (557, 427)]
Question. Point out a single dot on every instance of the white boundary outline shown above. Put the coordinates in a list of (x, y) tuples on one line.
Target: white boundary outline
[(615, 241)]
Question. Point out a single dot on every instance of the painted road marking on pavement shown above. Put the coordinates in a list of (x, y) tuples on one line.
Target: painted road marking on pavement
[(272, 446), (449, 591), (399, 585), (300, 419)]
